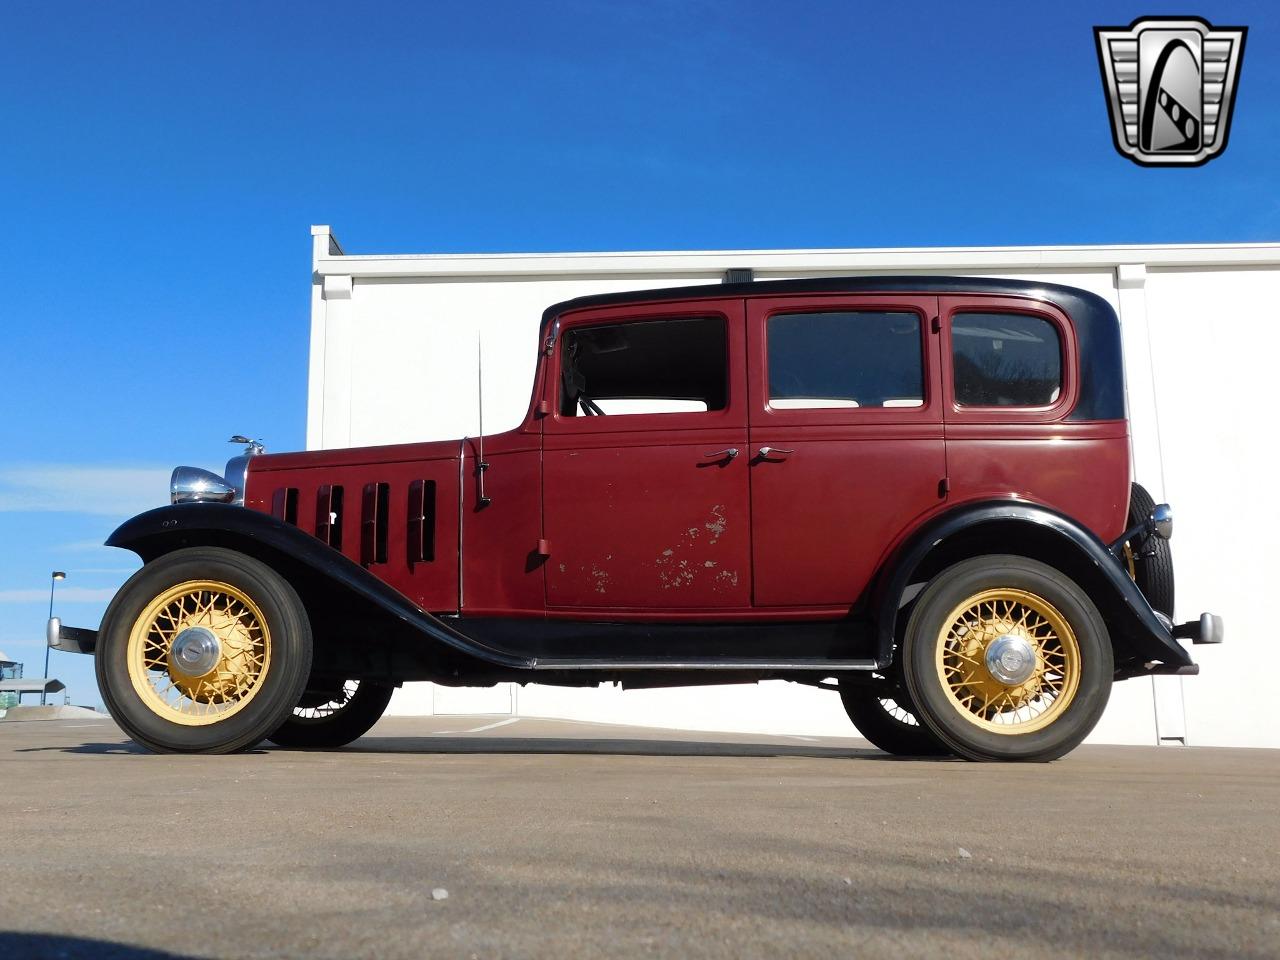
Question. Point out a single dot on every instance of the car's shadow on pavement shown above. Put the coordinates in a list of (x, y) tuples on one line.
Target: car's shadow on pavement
[(540, 745), (609, 747), (19, 946), (98, 749)]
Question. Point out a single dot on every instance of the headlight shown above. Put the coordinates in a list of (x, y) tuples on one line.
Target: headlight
[(193, 485)]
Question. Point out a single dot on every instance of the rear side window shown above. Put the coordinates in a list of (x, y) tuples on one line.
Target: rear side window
[(850, 358), (1005, 360)]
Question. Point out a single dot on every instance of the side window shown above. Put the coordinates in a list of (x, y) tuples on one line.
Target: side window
[(853, 358), (1005, 360), (645, 366)]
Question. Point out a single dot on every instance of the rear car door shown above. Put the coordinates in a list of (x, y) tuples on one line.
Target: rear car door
[(847, 446), (645, 489)]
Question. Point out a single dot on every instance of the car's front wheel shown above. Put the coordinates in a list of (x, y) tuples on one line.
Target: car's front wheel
[(203, 650), (1007, 658)]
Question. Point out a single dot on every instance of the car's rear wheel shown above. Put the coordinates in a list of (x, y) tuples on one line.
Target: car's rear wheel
[(1007, 658), (203, 650), (886, 716), (333, 717)]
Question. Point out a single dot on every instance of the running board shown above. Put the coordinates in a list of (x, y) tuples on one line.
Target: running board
[(808, 664)]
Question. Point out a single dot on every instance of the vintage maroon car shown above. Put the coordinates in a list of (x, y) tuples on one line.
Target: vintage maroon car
[(915, 491)]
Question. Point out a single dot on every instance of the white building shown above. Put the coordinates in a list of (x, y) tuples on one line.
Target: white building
[(393, 347)]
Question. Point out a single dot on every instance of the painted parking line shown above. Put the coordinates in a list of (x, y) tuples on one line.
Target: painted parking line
[(487, 726), (492, 726)]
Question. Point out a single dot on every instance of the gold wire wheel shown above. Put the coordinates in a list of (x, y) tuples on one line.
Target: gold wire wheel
[(199, 652), (1041, 669)]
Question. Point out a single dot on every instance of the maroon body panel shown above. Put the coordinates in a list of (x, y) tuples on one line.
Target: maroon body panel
[(503, 572), (644, 511), (431, 583), (854, 479), (824, 513), (1080, 469)]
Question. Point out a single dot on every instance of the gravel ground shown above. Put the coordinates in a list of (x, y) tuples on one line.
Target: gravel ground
[(432, 838)]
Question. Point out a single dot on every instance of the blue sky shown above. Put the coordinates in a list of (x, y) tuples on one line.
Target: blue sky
[(161, 164)]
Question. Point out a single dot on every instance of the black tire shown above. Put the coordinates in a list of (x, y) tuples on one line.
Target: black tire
[(887, 717), (327, 719), (276, 683), (1152, 560), (1063, 722)]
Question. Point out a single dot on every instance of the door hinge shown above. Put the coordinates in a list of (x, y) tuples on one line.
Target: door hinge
[(936, 325), (544, 547), (944, 487)]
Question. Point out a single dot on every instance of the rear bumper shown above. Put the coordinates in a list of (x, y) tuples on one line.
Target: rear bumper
[(1208, 629), (70, 639)]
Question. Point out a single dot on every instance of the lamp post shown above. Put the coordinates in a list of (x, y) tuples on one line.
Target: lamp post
[(53, 582)]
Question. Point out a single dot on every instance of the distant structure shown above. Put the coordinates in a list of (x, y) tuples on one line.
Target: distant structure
[(12, 686), (9, 670)]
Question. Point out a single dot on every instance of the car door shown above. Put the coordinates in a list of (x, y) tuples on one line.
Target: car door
[(645, 486), (846, 439)]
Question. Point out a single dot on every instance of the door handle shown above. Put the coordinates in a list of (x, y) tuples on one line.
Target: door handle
[(767, 452), (728, 454)]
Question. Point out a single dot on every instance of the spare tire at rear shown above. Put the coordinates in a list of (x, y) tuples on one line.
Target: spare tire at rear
[(1150, 562)]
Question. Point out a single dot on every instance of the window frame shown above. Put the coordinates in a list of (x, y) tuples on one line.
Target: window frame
[(729, 312), (1069, 389), (759, 311)]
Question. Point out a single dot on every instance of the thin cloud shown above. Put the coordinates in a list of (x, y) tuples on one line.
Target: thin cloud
[(83, 488), (82, 546), (64, 595)]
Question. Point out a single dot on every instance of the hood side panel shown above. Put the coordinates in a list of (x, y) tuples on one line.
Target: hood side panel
[(394, 513)]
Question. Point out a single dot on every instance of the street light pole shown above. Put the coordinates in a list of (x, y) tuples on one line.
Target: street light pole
[(53, 581)]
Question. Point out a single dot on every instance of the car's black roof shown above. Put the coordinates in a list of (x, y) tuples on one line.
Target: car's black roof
[(1053, 292), (1096, 324)]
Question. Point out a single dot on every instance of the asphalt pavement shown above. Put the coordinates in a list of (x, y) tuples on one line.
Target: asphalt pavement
[(475, 837)]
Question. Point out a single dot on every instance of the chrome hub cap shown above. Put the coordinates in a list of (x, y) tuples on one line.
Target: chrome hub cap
[(195, 652), (1011, 659)]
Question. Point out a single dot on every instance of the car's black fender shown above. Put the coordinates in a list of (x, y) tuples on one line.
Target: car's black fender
[(163, 530), (1021, 527)]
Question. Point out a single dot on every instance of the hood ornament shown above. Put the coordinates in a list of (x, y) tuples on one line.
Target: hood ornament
[(252, 448)]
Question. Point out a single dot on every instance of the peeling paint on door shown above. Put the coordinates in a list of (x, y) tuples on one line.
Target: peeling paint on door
[(718, 524)]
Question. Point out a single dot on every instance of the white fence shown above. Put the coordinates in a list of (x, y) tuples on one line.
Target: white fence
[(393, 359)]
